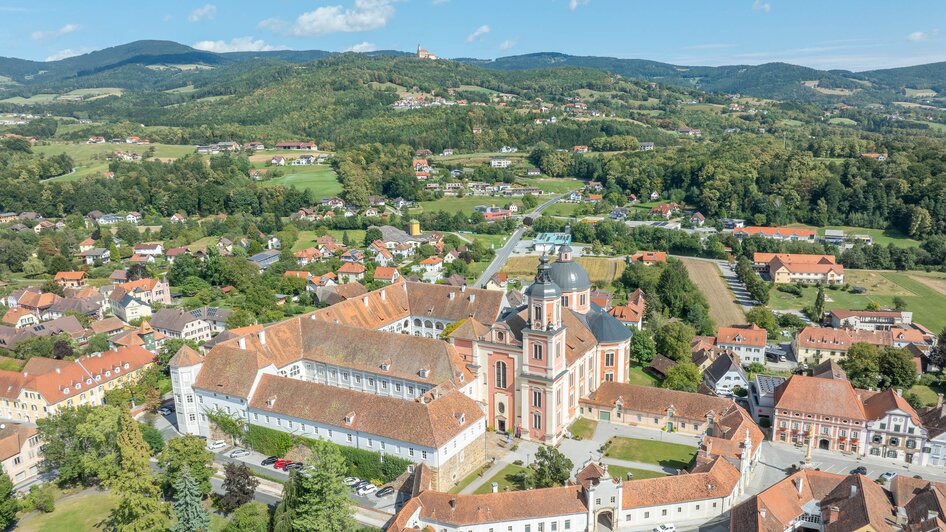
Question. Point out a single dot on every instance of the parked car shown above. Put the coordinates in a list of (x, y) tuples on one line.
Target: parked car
[(888, 476), (237, 453), (669, 527), (294, 466), (269, 460), (282, 463), (367, 489), (384, 492), (859, 470), (360, 485), (166, 410), (351, 481), (216, 445)]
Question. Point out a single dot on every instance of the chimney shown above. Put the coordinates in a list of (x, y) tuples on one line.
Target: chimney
[(472, 297), (242, 343), (262, 337), (452, 295), (383, 297), (495, 487), (762, 513), (453, 503), (365, 300), (900, 392), (834, 513), (853, 491), (463, 288), (800, 484)]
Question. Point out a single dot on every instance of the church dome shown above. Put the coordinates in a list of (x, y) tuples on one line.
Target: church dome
[(569, 276)]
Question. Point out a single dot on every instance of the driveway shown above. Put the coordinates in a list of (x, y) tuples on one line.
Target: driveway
[(738, 288)]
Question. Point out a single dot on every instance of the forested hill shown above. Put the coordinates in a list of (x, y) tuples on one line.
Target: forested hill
[(162, 65)]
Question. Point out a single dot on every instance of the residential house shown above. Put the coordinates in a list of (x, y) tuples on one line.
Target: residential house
[(127, 307), (20, 452), (150, 249), (351, 271), (498, 162), (497, 281), (303, 160), (133, 217), (178, 218), (829, 410), (894, 429), (353, 255), (181, 324), (431, 267), (35, 301), (308, 256), (19, 318), (95, 256), (149, 290), (690, 132), (86, 245), (618, 213), (532, 172), (724, 375), (70, 279), (386, 274), (816, 344), (648, 258), (870, 320), (10, 337), (632, 313), (278, 160), (762, 396), (645, 146), (580, 149), (92, 307), (665, 210), (265, 259), (746, 341), (697, 219)]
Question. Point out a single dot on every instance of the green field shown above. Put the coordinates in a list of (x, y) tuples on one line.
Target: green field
[(928, 396), (493, 241), (555, 185), (465, 204), (320, 180), (181, 90), (621, 472), (880, 236), (583, 428), (838, 121), (307, 238), (927, 303), (90, 158), (82, 512), (32, 100), (563, 209), (661, 453), (505, 478), (637, 375)]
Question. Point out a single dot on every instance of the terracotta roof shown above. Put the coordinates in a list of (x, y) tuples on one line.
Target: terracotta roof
[(470, 329), (779, 505), (877, 406), (297, 274), (625, 313), (907, 335), (649, 256), (144, 285), (351, 289), (691, 406), (794, 267), (12, 438), (502, 506), (184, 357), (716, 480), (352, 268), (433, 421), (435, 301), (69, 276), (107, 325), (860, 504), (383, 306), (829, 369), (750, 335), (431, 260), (793, 258), (13, 315), (840, 339), (823, 396), (11, 382), (661, 364), (230, 370), (386, 273), (69, 379), (37, 300)]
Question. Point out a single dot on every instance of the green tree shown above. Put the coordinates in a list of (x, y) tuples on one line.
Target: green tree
[(862, 365), (8, 502), (81, 444), (897, 369), (153, 438), (684, 376), (170, 348), (239, 486), (139, 505), (251, 517), (643, 347), (765, 318), (97, 343), (372, 234), (190, 513), (33, 267), (319, 500), (819, 302), (673, 340), (899, 303), (552, 468), (530, 202), (186, 453)]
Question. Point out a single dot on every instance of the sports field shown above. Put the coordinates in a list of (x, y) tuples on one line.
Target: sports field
[(723, 308)]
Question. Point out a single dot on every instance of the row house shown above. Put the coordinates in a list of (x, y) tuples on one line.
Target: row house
[(813, 345)]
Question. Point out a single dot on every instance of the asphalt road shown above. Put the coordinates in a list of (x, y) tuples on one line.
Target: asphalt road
[(503, 253)]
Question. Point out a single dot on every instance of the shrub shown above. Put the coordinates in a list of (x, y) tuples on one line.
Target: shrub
[(517, 462), (514, 448), (765, 422), (152, 437), (789, 289)]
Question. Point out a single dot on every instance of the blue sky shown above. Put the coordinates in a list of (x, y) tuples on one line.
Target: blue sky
[(856, 35)]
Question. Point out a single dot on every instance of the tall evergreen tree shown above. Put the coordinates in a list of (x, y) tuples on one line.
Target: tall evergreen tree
[(190, 513), (139, 506), (317, 501), (819, 303)]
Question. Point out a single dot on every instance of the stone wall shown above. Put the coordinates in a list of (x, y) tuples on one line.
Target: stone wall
[(456, 469)]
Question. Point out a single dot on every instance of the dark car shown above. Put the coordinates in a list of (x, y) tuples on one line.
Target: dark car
[(294, 466), (269, 461), (384, 492), (860, 470)]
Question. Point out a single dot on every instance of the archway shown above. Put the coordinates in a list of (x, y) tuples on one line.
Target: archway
[(605, 521), (824, 444)]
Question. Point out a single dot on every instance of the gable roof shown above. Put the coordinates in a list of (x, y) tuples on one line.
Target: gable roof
[(686, 405), (463, 510), (750, 335), (715, 480), (824, 396)]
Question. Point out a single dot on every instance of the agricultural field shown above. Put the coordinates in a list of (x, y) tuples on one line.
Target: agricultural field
[(839, 121), (598, 268), (562, 209), (723, 308), (880, 236), (476, 88), (924, 294), (320, 180), (919, 93), (182, 90), (32, 100), (90, 158)]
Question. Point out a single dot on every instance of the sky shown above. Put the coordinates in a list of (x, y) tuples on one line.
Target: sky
[(825, 34)]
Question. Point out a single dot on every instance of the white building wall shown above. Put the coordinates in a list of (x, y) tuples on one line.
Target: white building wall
[(185, 399)]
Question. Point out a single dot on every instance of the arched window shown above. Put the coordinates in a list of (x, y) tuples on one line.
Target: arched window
[(500, 374), (439, 326), (429, 324), (417, 322), (500, 336), (407, 323)]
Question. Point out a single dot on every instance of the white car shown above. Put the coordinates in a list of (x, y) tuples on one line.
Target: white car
[(216, 445), (237, 453), (367, 490), (666, 528), (888, 476), (165, 411)]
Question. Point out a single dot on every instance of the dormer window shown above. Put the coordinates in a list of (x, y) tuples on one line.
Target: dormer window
[(108, 373), (88, 381), (271, 401), (386, 365), (349, 418), (78, 385), (65, 390), (461, 418), (424, 372)]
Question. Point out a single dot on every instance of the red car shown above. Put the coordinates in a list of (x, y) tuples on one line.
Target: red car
[(282, 463)]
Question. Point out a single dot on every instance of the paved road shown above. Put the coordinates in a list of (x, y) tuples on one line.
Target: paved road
[(503, 253)]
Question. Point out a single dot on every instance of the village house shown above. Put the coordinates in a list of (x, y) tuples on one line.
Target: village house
[(724, 375), (746, 341), (697, 219), (351, 271), (648, 258), (308, 256), (645, 146), (632, 313), (296, 146), (149, 290), (20, 452), (870, 320), (194, 325), (500, 163), (19, 318), (151, 249), (665, 210), (127, 307), (813, 345), (70, 279)]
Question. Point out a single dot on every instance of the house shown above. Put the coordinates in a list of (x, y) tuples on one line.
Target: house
[(733, 223), (44, 225), (150, 249), (127, 307), (86, 245), (386, 274), (19, 318), (618, 213), (631, 314), (173, 253), (353, 255), (499, 163), (497, 281), (133, 217), (35, 301), (109, 326), (7, 217), (785, 234), (278, 160), (697, 219), (304, 160), (508, 149), (92, 307), (689, 132), (20, 452), (724, 375), (265, 259), (96, 140), (665, 210), (817, 344), (762, 396), (308, 256), (110, 219), (580, 149), (296, 146), (934, 420), (273, 242), (894, 429), (431, 267), (648, 258), (254, 146), (447, 152), (879, 157), (70, 279), (149, 290), (785, 268), (870, 320), (645, 146), (746, 341), (533, 172), (45, 386), (178, 218), (549, 243), (828, 410), (351, 271), (181, 324)]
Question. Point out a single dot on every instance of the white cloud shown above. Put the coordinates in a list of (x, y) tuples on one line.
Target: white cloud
[(573, 4), (479, 32), (759, 5), (508, 44), (917, 36), (237, 44), (207, 11), (364, 15), (68, 52), (362, 47), (65, 30)]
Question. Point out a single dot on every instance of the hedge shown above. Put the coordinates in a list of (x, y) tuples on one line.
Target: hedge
[(361, 463)]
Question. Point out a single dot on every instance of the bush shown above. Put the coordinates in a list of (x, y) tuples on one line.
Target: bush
[(41, 497), (789, 289), (739, 391), (361, 463), (517, 462), (152, 437), (765, 422)]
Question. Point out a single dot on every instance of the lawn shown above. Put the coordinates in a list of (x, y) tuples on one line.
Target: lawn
[(465, 204), (839, 121), (90, 158), (320, 180), (307, 238), (621, 472), (564, 209), (880, 236), (664, 454), (583, 428), (598, 268), (928, 396), (555, 185), (470, 478), (82, 512), (924, 294), (493, 241), (35, 99), (637, 375), (506, 479)]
